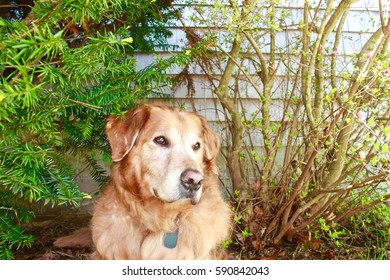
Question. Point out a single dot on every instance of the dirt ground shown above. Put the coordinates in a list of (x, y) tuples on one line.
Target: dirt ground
[(47, 228)]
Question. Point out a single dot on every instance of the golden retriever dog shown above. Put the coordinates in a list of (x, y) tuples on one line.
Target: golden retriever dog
[(163, 201)]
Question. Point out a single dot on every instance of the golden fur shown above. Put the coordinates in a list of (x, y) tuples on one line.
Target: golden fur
[(152, 146)]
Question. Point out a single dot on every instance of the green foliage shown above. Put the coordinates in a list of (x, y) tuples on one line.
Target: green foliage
[(13, 236), (64, 69), (363, 236), (370, 230), (332, 232)]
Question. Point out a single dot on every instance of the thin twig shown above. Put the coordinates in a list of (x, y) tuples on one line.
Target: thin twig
[(86, 104)]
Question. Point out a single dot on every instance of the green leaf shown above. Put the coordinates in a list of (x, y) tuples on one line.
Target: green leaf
[(106, 157), (275, 27), (387, 131), (2, 97), (371, 122)]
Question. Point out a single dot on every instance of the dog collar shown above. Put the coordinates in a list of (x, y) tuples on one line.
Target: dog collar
[(170, 239)]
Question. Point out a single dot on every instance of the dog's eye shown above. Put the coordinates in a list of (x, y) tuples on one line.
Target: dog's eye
[(196, 146), (161, 141)]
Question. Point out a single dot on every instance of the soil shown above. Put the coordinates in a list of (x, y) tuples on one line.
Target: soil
[(46, 229)]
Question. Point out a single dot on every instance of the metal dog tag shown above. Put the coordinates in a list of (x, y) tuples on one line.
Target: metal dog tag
[(170, 239)]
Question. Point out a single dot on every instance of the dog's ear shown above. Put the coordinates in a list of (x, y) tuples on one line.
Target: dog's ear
[(122, 131), (211, 141)]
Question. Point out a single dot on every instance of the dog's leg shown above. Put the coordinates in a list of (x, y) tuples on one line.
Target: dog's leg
[(81, 238)]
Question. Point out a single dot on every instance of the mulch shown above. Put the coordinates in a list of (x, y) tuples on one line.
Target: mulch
[(46, 229)]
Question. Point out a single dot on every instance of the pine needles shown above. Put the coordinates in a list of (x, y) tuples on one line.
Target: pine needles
[(64, 69)]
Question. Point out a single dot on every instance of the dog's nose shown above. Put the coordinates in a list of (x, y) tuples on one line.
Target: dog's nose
[(191, 180)]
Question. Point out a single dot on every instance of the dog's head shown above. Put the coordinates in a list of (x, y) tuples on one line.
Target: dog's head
[(163, 151)]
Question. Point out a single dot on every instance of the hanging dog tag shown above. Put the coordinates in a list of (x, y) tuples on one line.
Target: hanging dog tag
[(170, 239)]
